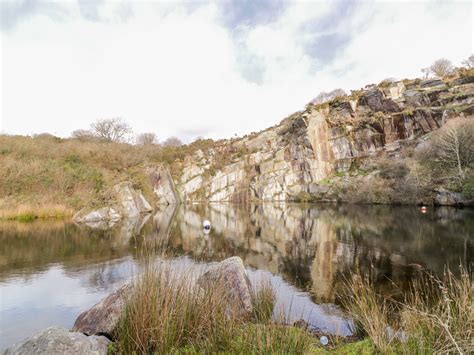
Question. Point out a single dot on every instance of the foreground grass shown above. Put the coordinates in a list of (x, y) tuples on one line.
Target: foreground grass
[(169, 312), (435, 316)]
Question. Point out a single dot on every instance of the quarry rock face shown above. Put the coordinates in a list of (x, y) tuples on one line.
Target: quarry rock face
[(56, 340), (291, 161)]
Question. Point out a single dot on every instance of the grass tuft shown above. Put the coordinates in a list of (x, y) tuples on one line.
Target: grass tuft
[(436, 315), (169, 312)]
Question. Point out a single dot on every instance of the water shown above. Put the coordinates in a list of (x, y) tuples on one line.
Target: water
[(51, 271)]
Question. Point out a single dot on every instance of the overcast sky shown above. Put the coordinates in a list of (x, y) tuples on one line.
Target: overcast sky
[(211, 69)]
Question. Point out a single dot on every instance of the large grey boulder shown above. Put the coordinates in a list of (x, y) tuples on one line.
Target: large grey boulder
[(233, 276), (60, 341), (104, 316)]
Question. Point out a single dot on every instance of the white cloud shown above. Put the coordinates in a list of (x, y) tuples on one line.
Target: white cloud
[(174, 71)]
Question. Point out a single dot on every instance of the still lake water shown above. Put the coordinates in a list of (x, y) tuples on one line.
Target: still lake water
[(51, 271)]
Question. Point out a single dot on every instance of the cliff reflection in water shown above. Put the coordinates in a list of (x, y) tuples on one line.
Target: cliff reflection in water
[(314, 246), (311, 246)]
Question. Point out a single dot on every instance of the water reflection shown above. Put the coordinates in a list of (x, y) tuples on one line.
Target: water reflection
[(314, 246), (51, 271)]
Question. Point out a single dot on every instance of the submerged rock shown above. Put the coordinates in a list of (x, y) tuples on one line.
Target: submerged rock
[(104, 316), (231, 272), (57, 340)]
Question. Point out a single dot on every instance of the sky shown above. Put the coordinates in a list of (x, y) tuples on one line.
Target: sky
[(211, 69)]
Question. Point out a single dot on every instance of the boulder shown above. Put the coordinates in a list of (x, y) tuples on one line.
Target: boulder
[(428, 83), (60, 341), (231, 272), (464, 80), (103, 317), (376, 101), (107, 214), (163, 186), (416, 98), (445, 197), (130, 202)]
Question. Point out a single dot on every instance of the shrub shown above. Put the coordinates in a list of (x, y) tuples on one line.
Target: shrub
[(391, 169)]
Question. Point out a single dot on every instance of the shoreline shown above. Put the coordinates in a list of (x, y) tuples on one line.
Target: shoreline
[(67, 214)]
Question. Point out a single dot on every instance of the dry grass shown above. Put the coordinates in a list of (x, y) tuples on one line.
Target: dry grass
[(46, 170), (31, 211), (435, 316), (369, 310), (438, 314), (45, 176)]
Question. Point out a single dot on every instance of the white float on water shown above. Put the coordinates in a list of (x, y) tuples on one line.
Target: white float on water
[(206, 224)]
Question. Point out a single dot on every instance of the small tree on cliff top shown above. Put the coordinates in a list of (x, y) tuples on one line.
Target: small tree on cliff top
[(172, 142), (111, 130), (328, 96), (441, 67), (469, 62), (147, 139)]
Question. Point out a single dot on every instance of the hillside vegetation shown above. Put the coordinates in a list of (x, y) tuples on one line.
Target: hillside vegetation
[(46, 176)]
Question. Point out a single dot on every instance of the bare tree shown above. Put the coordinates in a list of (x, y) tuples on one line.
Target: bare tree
[(328, 96), (172, 142), (469, 62), (441, 67), (83, 134), (111, 129), (453, 145), (426, 72), (147, 139)]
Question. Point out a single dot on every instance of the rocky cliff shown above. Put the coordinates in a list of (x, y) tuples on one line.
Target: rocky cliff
[(336, 151)]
